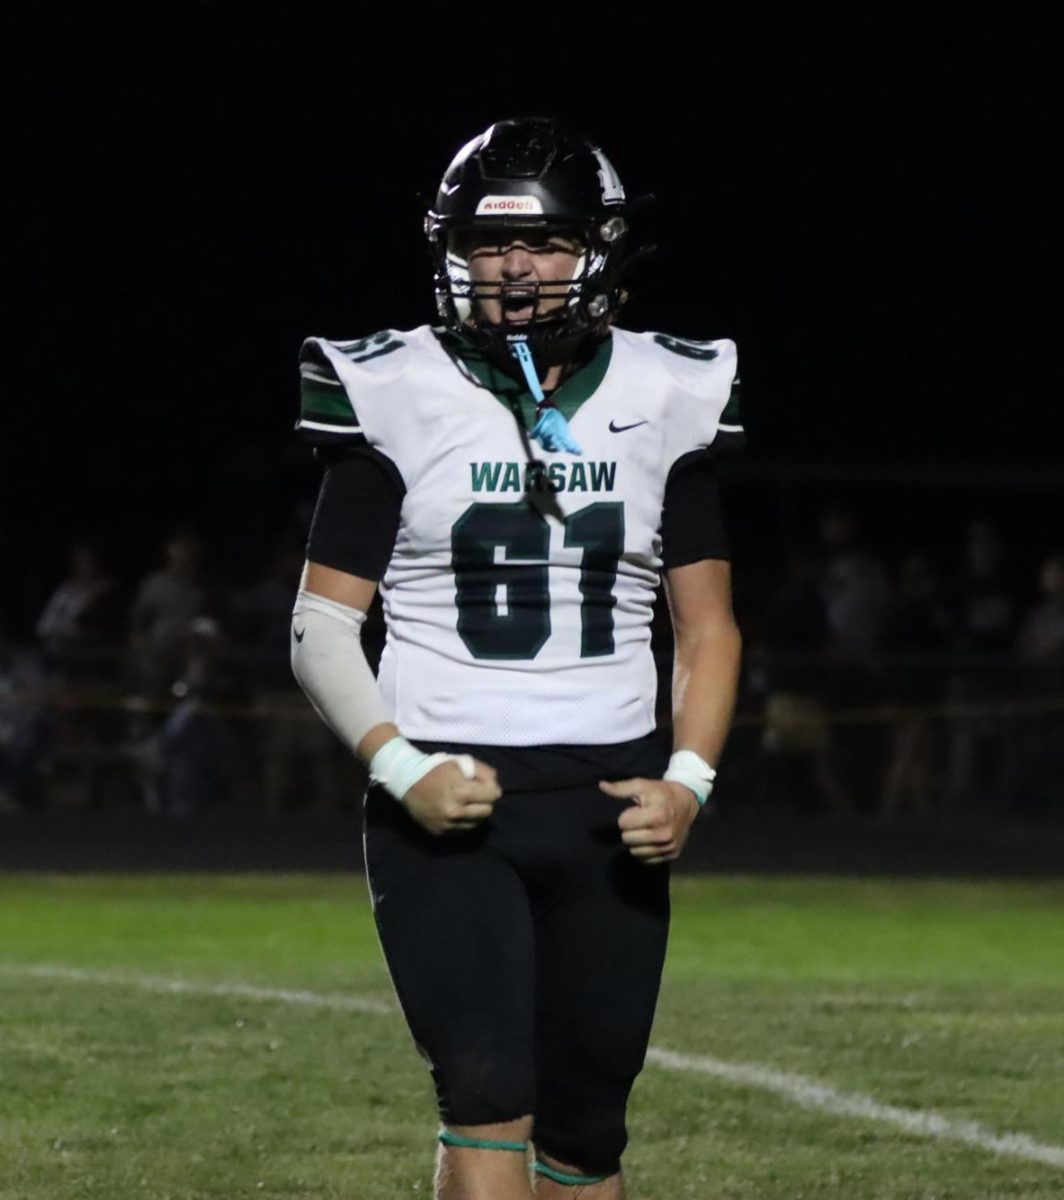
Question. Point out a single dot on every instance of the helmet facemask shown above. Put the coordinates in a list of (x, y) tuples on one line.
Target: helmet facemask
[(554, 317)]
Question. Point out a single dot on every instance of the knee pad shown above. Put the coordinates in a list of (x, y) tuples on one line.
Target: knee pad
[(593, 1142), (580, 1116), (481, 1084)]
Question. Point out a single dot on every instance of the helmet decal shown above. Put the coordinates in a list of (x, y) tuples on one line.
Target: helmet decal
[(526, 205), (612, 191)]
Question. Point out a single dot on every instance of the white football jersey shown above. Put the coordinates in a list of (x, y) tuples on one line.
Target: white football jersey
[(519, 596)]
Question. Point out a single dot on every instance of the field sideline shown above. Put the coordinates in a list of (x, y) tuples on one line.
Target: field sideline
[(181, 1036)]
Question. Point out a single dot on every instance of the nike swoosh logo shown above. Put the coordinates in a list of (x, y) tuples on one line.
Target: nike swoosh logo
[(621, 428), (298, 633)]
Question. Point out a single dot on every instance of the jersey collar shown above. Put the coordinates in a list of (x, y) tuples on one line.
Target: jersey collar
[(577, 387)]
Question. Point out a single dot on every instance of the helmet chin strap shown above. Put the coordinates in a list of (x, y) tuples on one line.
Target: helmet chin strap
[(551, 429)]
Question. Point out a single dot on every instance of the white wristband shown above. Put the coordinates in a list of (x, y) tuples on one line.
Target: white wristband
[(398, 765), (693, 772)]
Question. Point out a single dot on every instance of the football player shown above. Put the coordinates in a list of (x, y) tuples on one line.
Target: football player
[(515, 480)]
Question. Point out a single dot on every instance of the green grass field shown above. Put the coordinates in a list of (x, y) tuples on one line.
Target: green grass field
[(131, 1065)]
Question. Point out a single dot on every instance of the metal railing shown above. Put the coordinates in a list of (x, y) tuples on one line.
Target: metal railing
[(898, 737)]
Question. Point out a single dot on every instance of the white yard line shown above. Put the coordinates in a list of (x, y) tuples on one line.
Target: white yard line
[(806, 1093), (193, 987)]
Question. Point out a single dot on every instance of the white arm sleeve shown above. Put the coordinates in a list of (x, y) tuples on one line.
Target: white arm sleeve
[(330, 665)]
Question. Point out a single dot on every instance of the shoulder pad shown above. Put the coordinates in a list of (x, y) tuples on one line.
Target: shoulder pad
[(692, 358), (327, 414), (698, 366), (704, 390)]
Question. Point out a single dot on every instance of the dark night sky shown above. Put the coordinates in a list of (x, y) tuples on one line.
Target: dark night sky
[(860, 202)]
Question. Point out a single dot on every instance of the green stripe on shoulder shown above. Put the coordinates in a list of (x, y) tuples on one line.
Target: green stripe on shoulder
[(324, 401)]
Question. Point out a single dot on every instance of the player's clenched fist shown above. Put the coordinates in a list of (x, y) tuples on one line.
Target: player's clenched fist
[(447, 801), (657, 820)]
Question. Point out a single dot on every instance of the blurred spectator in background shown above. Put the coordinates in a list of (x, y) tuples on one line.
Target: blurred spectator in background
[(262, 618), (917, 638), (80, 629), (1041, 636), (200, 753), (985, 620), (789, 665), (81, 621), (166, 601), (25, 729), (299, 758), (855, 585), (1040, 650), (857, 596)]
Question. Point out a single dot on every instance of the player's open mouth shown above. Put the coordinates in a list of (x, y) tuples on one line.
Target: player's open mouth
[(518, 304)]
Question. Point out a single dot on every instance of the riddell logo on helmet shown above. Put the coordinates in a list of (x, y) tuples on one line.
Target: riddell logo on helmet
[(490, 205)]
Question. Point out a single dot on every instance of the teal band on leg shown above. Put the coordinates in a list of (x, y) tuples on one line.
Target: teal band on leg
[(456, 1139), (571, 1180)]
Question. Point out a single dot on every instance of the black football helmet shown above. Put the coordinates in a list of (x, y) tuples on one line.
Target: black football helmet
[(536, 177)]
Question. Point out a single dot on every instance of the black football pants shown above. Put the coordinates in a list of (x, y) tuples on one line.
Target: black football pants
[(527, 957)]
